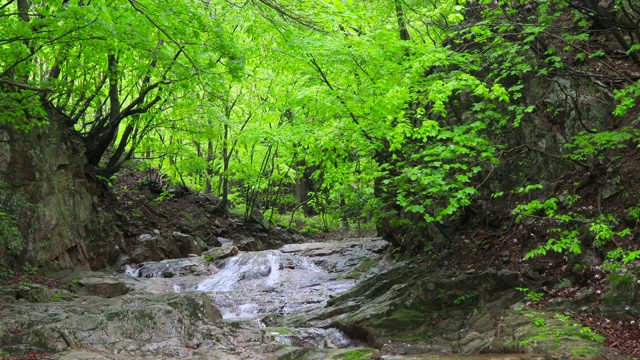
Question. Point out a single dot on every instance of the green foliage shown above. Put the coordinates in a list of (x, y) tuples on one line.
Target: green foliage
[(310, 230), (627, 98), (548, 207), (567, 242), (55, 297), (440, 183), (356, 354), (588, 145), (531, 295), (539, 322), (165, 195), (30, 269), (108, 181), (340, 108), (618, 262), (6, 273), (602, 230), (464, 297), (10, 235)]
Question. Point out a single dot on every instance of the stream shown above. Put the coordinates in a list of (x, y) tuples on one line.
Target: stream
[(262, 284), (254, 286), (290, 303)]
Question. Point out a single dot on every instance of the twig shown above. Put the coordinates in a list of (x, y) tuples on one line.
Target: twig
[(294, 212)]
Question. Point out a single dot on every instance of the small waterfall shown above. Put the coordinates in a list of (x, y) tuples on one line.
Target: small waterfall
[(130, 271), (254, 284), (263, 268), (225, 279), (167, 268)]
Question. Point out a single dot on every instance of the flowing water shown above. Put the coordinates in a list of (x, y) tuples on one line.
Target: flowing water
[(255, 285)]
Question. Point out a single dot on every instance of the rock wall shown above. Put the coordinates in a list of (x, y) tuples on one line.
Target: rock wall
[(50, 213)]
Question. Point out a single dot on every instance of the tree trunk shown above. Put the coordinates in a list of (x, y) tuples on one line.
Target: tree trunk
[(207, 189)]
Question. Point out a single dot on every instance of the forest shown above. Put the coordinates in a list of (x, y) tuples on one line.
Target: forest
[(392, 113), (464, 128)]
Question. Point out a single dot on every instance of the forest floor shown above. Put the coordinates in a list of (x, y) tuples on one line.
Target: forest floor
[(494, 239)]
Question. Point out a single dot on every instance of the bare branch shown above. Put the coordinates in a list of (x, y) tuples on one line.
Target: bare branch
[(24, 86), (7, 4)]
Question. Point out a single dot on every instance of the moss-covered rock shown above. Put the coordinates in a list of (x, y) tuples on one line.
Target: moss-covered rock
[(46, 197)]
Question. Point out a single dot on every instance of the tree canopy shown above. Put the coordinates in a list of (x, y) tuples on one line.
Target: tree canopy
[(399, 113)]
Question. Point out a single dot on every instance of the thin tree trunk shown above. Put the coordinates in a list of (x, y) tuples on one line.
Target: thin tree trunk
[(207, 189)]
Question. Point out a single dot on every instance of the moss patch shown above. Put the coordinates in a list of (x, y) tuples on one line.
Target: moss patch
[(585, 351), (357, 354), (407, 317), (297, 354), (363, 267), (277, 330)]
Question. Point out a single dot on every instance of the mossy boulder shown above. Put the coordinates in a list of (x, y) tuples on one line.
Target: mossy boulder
[(218, 253)]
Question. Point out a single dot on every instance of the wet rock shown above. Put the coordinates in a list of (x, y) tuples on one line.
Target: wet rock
[(203, 245), (311, 337), (257, 217), (26, 292), (219, 241), (186, 244), (327, 353), (85, 282), (375, 245), (103, 286), (158, 326), (212, 313), (425, 310), (211, 203), (171, 267), (248, 243), (399, 302), (154, 248), (261, 271), (622, 302), (68, 228), (219, 253), (79, 355)]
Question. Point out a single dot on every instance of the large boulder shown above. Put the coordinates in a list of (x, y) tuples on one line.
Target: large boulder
[(158, 326), (257, 217), (186, 244), (103, 286), (218, 253), (412, 308), (91, 283), (155, 247)]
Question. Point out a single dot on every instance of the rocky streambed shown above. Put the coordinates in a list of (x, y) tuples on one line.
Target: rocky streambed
[(327, 300)]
